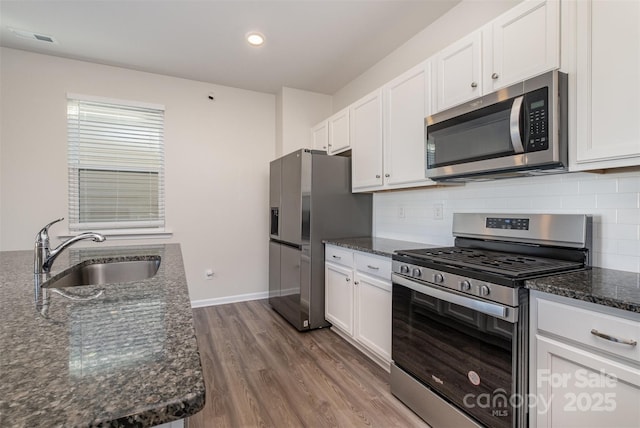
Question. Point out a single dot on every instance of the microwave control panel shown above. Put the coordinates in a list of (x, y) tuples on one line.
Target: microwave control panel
[(537, 117)]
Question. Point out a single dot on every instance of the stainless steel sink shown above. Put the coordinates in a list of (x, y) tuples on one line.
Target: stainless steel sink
[(105, 272)]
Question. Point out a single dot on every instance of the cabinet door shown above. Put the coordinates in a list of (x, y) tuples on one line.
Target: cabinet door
[(373, 315), (366, 142), (339, 132), (575, 388), (339, 297), (320, 136), (459, 72), (522, 43), (407, 100), (608, 84)]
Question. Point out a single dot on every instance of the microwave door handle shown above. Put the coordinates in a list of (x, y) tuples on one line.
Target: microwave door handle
[(514, 125)]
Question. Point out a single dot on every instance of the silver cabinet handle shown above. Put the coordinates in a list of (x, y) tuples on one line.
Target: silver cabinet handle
[(336, 257), (387, 175), (377, 175), (474, 84), (605, 336), (494, 76), (373, 267), (347, 279), (356, 282)]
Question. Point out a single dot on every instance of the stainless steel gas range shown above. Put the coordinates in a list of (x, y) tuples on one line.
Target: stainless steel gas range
[(460, 315)]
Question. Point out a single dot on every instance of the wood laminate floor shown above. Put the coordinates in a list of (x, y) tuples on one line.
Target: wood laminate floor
[(261, 372)]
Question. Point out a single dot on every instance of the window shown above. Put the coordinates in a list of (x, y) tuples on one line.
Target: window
[(116, 164)]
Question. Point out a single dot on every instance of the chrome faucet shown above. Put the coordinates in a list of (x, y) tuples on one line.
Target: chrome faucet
[(43, 256)]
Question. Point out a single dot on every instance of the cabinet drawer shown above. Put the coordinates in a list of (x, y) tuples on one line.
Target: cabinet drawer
[(582, 326), (373, 265), (338, 255)]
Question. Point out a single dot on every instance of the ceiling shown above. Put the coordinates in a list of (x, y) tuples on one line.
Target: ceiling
[(314, 45)]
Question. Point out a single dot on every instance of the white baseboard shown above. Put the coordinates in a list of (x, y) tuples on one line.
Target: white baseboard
[(229, 299)]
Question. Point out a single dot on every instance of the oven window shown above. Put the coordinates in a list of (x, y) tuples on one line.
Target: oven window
[(471, 138), (464, 355)]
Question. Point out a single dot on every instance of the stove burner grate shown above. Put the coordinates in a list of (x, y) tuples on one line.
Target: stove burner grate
[(510, 264)]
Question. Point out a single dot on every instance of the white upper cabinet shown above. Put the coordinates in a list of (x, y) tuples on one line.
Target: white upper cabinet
[(521, 43), (366, 141), (387, 133), (607, 76), (459, 72), (407, 100), (320, 136), (339, 132)]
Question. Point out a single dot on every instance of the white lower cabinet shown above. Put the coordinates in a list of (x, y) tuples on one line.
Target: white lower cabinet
[(339, 296), (579, 377), (358, 300), (373, 314)]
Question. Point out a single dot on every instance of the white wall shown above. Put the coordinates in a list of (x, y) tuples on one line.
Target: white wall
[(216, 156), (297, 112), (467, 16), (613, 199)]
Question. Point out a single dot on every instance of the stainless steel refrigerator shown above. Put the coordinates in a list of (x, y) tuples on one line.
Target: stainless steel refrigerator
[(310, 200)]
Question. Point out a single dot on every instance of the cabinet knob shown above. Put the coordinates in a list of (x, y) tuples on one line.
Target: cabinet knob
[(347, 279), (377, 175), (474, 84), (387, 175), (356, 282), (494, 76), (330, 145)]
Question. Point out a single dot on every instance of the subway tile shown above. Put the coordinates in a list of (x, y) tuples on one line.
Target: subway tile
[(629, 184), (598, 186), (619, 262), (619, 231), (579, 202), (629, 216), (617, 200), (628, 248)]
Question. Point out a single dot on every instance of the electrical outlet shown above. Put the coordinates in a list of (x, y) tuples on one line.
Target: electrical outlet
[(438, 211), (401, 213), (208, 274)]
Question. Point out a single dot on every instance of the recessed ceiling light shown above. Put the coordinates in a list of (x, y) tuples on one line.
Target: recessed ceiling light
[(255, 39)]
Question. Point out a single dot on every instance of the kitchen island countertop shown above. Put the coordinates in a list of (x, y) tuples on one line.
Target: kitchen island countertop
[(126, 358)]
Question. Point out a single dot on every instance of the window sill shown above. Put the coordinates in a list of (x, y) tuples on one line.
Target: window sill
[(118, 234)]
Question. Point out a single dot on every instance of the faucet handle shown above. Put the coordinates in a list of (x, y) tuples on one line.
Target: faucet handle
[(43, 235)]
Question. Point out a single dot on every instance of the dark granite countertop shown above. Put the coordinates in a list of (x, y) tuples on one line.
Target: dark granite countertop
[(127, 358), (371, 244), (614, 288)]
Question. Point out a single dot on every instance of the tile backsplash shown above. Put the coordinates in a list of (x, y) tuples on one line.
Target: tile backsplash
[(613, 199)]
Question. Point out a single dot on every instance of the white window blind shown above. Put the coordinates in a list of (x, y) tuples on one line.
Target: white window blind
[(116, 165)]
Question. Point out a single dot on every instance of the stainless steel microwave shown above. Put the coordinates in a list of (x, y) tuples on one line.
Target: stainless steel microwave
[(519, 130)]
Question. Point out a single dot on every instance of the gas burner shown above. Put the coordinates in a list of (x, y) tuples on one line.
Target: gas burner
[(506, 264)]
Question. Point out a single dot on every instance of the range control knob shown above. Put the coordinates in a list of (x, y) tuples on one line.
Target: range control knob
[(404, 269), (417, 273), (465, 285), (438, 278), (484, 290)]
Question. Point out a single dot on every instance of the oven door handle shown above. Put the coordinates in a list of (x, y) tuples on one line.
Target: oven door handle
[(488, 308)]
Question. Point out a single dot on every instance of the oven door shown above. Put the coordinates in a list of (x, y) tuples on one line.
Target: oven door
[(462, 348)]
